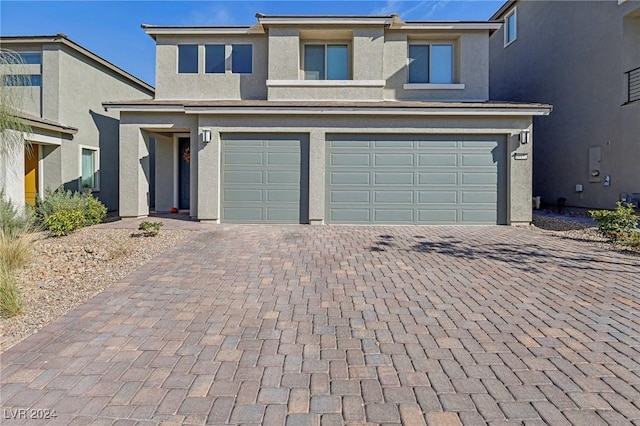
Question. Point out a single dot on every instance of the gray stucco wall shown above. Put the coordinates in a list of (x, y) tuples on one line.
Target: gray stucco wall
[(573, 55), (205, 203)]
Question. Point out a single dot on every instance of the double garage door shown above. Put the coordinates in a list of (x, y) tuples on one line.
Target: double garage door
[(370, 179)]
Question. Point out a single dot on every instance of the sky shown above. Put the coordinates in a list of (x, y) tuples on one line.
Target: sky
[(112, 30)]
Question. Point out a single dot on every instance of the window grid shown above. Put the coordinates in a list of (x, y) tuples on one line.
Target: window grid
[(332, 53), (424, 68)]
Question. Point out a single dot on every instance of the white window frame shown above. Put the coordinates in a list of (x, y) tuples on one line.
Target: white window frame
[(514, 13), (96, 167), (325, 44)]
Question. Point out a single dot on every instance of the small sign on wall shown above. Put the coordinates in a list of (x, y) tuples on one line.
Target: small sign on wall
[(521, 156)]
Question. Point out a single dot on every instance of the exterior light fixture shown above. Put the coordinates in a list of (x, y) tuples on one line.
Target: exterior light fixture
[(525, 136), (206, 135)]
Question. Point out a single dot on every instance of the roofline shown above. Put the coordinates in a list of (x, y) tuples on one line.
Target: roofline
[(41, 123), (448, 25), (64, 40), (326, 19), (373, 109), (506, 6), (154, 30)]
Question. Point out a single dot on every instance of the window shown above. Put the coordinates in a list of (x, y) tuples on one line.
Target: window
[(188, 58), (326, 62), (89, 169), (241, 58), (431, 63), (22, 80), (510, 28), (214, 59), (31, 58)]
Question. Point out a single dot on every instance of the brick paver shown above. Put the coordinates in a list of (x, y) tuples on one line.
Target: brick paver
[(324, 325)]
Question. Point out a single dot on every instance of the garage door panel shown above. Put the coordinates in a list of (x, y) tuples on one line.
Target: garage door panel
[(386, 178), (437, 160), (347, 196), (479, 197), (441, 217), (478, 179), (264, 179), (393, 197), (351, 160), (351, 215), (398, 216), (417, 179), (394, 144), (438, 178), (243, 195), (242, 177), (438, 144), (395, 160), (437, 197), (477, 160), (349, 178)]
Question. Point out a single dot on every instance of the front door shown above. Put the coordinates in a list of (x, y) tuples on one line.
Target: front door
[(31, 175), (184, 161)]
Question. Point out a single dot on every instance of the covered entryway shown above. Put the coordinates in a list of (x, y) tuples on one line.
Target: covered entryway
[(264, 178), (31, 174), (416, 179)]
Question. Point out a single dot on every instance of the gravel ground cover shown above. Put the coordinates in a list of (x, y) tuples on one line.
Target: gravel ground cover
[(67, 271)]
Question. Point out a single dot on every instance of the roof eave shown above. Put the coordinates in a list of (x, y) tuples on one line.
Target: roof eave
[(504, 8)]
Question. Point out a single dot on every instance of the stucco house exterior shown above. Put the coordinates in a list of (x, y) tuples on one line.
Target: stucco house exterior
[(74, 142), (327, 120), (584, 58)]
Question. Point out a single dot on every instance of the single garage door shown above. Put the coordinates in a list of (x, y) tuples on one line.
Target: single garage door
[(416, 179), (264, 179)]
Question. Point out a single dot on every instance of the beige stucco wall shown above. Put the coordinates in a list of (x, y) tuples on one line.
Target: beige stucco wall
[(573, 55), (171, 85), (205, 203)]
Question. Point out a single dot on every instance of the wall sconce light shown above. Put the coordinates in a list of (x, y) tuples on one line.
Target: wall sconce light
[(525, 136), (206, 135)]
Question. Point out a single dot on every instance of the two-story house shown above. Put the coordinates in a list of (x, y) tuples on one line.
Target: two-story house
[(328, 119), (584, 58), (74, 143)]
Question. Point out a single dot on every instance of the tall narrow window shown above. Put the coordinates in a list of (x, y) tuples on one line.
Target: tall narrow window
[(431, 63), (188, 58), (326, 62), (214, 57), (89, 178), (241, 58), (510, 27)]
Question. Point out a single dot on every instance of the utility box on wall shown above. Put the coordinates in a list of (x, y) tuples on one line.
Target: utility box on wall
[(595, 163)]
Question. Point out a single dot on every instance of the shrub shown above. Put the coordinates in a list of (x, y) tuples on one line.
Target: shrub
[(617, 225), (151, 229), (15, 250), (62, 212), (10, 298), (12, 222), (64, 222)]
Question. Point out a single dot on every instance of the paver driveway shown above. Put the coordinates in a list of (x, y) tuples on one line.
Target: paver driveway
[(309, 325)]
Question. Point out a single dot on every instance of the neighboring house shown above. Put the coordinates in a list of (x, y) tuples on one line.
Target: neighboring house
[(327, 119), (584, 58), (74, 142)]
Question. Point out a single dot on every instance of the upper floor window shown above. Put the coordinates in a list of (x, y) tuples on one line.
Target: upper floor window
[(431, 63), (241, 58), (510, 27), (22, 80), (188, 58), (214, 55), (326, 62), (31, 58)]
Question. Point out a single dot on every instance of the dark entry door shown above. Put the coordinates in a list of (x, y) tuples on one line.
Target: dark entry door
[(183, 172)]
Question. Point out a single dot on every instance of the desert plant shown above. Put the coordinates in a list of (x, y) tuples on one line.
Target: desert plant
[(13, 73), (63, 212), (10, 297), (64, 222), (150, 229), (616, 225), (15, 250), (13, 222)]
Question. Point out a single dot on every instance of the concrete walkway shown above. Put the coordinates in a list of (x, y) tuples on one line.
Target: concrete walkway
[(331, 325)]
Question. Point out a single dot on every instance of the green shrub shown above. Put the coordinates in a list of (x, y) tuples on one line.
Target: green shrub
[(62, 212), (617, 225), (12, 222), (64, 222), (10, 297), (151, 229)]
